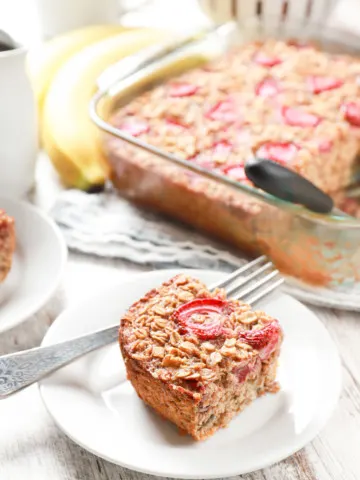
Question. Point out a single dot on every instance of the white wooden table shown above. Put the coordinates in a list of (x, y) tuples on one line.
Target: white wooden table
[(32, 447)]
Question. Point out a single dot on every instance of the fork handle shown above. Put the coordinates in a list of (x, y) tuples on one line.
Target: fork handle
[(19, 370)]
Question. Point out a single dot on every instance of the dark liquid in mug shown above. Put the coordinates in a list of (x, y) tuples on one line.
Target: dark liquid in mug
[(4, 47)]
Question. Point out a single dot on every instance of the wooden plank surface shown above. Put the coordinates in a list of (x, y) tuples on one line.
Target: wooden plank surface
[(33, 448)]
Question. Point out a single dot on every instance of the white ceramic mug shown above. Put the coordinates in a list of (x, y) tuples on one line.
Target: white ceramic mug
[(18, 121), (58, 16)]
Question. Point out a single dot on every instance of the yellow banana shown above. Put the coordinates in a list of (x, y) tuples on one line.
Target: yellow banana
[(43, 62), (70, 173), (70, 138)]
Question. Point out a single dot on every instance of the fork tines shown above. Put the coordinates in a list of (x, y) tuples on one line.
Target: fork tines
[(252, 281)]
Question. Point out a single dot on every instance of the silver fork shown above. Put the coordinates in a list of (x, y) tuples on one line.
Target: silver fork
[(18, 370)]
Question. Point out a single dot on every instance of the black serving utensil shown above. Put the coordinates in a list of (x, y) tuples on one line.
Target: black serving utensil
[(288, 185)]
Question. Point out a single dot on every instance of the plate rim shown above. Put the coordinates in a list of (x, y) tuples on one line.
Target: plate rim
[(63, 257), (269, 461)]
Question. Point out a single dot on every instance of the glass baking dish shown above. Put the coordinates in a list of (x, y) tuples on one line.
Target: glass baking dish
[(321, 250)]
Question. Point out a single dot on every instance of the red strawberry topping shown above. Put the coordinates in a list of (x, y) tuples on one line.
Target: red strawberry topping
[(203, 317), (318, 84), (176, 122), (267, 88), (352, 113), (266, 60), (264, 340), (135, 128), (350, 206), (325, 145), (182, 90), (237, 172), (299, 118), (210, 159), (222, 148), (281, 152), (223, 111), (245, 368), (203, 160), (242, 372)]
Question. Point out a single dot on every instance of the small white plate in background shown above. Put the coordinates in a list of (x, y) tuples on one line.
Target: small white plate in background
[(38, 263)]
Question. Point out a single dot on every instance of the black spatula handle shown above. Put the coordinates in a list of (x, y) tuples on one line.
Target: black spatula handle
[(287, 185)]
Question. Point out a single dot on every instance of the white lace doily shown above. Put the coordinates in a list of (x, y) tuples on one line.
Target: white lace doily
[(106, 225)]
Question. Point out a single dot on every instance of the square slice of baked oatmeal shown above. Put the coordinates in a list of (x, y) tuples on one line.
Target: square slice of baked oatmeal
[(196, 357)]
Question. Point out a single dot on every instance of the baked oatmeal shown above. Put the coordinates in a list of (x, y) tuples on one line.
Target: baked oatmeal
[(305, 95), (7, 244), (285, 101), (197, 357)]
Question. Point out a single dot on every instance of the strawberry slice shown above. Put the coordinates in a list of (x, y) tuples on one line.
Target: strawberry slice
[(222, 148), (182, 90), (245, 368), (281, 152), (266, 60), (223, 111), (242, 371), (267, 88), (350, 206), (351, 112), (325, 145), (204, 160), (176, 122), (318, 84), (299, 118), (264, 340), (237, 172), (135, 127), (203, 317)]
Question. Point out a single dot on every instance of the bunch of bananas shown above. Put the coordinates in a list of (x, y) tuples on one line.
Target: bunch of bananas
[(64, 73)]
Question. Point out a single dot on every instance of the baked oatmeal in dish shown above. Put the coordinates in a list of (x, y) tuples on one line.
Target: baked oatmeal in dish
[(275, 89), (197, 357), (7, 244), (284, 101)]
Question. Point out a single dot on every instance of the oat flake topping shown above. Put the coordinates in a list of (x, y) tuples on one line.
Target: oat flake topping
[(153, 333)]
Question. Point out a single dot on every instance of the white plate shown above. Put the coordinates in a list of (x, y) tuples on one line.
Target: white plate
[(38, 264), (94, 404)]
